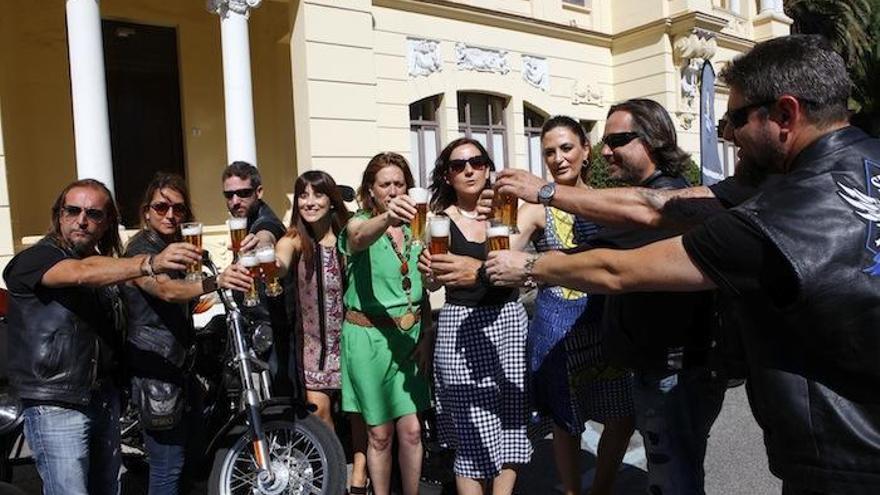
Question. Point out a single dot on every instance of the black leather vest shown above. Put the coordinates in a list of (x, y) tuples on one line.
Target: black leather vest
[(159, 333), (61, 340), (814, 357)]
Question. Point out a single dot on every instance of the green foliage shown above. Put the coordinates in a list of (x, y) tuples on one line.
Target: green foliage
[(853, 29), (600, 179)]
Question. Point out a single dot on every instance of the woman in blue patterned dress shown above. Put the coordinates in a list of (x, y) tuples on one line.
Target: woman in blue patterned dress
[(568, 381)]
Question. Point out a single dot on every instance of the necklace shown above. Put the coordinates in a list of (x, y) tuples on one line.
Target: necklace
[(467, 214), (408, 320)]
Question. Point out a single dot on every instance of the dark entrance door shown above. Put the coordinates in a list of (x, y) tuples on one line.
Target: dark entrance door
[(143, 93)]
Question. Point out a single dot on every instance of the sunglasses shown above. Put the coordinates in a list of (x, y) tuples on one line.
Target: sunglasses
[(478, 163), (618, 139), (93, 214), (740, 116), (241, 193), (179, 210)]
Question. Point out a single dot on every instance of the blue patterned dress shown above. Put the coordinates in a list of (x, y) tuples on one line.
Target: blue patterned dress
[(569, 381)]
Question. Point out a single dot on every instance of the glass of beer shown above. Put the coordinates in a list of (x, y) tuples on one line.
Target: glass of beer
[(498, 235), (420, 195), (438, 228), (237, 233), (192, 233), (266, 257), (250, 261), (504, 210)]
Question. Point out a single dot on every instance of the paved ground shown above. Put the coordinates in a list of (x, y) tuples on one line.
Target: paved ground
[(735, 464)]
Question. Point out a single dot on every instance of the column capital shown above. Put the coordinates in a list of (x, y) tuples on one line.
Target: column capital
[(223, 7)]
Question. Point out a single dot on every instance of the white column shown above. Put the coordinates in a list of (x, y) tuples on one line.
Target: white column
[(771, 6), (735, 7), (241, 142), (91, 122)]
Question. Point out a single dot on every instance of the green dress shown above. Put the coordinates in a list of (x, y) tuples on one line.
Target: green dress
[(379, 378)]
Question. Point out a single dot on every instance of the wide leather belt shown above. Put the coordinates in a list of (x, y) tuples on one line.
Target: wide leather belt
[(377, 321)]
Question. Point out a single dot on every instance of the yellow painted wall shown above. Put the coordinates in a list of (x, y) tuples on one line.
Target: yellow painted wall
[(35, 95)]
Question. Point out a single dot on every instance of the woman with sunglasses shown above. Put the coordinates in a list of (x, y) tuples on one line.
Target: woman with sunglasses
[(160, 333), (480, 349), (568, 381), (386, 314)]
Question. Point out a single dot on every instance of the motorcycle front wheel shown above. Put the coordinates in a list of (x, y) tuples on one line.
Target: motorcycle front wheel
[(305, 455)]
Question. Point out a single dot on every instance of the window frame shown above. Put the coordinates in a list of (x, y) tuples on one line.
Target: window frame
[(419, 126), (467, 129)]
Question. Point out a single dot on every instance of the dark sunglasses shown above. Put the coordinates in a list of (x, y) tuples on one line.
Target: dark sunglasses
[(478, 162), (740, 116), (618, 139), (94, 214), (178, 209), (241, 193)]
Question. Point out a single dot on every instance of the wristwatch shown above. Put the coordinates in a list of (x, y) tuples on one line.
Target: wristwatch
[(546, 193)]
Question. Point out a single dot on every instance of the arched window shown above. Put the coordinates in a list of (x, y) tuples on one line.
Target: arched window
[(424, 138), (481, 117), (534, 121)]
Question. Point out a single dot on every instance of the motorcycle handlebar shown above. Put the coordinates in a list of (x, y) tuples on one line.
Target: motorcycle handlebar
[(225, 294)]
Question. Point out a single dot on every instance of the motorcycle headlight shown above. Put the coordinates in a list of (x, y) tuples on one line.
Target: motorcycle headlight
[(10, 411), (261, 338)]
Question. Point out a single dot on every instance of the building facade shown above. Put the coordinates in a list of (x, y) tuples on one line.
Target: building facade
[(119, 89)]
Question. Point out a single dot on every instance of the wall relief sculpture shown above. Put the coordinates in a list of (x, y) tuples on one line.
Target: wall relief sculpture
[(481, 59), (536, 72), (423, 57)]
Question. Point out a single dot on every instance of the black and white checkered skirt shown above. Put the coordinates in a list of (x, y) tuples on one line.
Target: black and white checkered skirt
[(479, 384)]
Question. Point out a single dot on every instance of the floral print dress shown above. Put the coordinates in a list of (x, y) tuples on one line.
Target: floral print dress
[(320, 318)]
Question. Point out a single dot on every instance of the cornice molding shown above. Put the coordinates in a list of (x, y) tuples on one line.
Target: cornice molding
[(470, 13)]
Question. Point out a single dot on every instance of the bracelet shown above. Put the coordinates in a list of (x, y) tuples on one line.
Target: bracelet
[(147, 267), (529, 266)]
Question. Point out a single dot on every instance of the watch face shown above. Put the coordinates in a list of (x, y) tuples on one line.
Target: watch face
[(545, 194)]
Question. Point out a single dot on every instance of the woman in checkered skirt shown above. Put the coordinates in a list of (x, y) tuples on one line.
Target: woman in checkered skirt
[(479, 354)]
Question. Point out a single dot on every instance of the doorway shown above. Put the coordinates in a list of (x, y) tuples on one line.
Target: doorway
[(143, 95)]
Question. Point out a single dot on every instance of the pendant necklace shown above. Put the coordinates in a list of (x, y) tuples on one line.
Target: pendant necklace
[(408, 320)]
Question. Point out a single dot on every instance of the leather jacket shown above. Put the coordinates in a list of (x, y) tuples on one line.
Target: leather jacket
[(159, 333), (65, 339), (654, 331), (814, 357)]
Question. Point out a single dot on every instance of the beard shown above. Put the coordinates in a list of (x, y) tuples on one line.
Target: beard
[(768, 160)]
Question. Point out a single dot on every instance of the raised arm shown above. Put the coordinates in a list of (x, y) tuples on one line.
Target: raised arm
[(661, 266), (98, 271), (171, 290), (362, 233)]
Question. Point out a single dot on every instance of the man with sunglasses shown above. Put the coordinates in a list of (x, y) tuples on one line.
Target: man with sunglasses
[(243, 190), (64, 327), (800, 260)]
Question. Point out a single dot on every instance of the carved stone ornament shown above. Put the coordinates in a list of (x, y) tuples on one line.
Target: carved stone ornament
[(536, 72), (423, 57), (583, 93), (685, 120), (481, 59), (691, 51), (223, 7)]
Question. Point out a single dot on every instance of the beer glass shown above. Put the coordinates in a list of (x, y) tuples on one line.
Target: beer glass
[(420, 196), (438, 228), (237, 233), (266, 257), (192, 233), (499, 236), (250, 261), (504, 210)]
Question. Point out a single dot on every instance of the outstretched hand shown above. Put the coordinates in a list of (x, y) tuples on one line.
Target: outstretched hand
[(235, 277), (176, 257), (519, 183)]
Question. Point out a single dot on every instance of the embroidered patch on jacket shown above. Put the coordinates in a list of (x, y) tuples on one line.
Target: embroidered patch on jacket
[(867, 206)]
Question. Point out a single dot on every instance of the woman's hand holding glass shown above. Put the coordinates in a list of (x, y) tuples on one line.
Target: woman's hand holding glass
[(401, 209)]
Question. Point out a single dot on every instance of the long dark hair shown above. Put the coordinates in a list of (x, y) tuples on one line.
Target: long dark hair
[(323, 183), (652, 123), (578, 130), (163, 180), (109, 244), (377, 163), (442, 193)]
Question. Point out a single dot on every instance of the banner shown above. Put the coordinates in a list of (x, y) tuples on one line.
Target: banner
[(710, 164)]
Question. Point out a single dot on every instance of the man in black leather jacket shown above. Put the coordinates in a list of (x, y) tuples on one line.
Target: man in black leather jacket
[(800, 260), (63, 326)]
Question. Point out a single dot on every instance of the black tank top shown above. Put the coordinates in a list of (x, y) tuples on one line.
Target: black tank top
[(481, 294)]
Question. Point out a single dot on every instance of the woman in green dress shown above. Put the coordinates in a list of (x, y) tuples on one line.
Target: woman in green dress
[(382, 344)]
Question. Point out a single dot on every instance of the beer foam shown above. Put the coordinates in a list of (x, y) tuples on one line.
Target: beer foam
[(419, 194), (266, 255), (439, 228), (498, 231), (190, 229), (248, 260), (237, 223)]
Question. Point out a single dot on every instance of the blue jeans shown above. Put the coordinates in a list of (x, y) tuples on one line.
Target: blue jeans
[(167, 453), (674, 413), (77, 451)]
